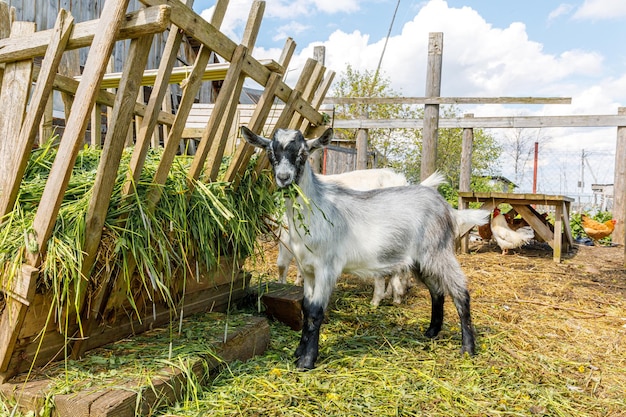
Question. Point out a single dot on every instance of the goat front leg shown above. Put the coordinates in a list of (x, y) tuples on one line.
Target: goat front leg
[(308, 348), (317, 292)]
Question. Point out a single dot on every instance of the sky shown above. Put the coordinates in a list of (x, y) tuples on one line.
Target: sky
[(537, 48)]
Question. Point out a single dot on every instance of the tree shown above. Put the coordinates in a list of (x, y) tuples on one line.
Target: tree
[(519, 145), (401, 148)]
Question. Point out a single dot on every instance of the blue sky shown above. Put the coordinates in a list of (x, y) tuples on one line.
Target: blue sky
[(491, 48)]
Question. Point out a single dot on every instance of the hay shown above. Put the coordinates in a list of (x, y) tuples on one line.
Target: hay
[(550, 342)]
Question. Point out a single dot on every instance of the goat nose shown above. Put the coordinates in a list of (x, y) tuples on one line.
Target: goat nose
[(283, 177)]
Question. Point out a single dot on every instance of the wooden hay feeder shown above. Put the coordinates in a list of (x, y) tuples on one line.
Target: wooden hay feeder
[(116, 294)]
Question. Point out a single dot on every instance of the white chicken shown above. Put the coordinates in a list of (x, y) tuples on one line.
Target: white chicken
[(506, 237)]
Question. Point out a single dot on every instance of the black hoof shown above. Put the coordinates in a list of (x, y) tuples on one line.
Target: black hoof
[(432, 332)]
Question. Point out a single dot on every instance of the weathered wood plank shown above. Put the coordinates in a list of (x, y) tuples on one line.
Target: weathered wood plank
[(70, 85), (244, 151), (14, 312), (150, 119), (22, 147), (113, 147), (610, 120), (221, 107), (121, 398), (45, 217), (218, 143), (211, 298), (135, 24), (5, 29), (14, 94), (447, 100), (430, 132)]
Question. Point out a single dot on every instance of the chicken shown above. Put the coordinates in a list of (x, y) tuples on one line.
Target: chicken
[(596, 230), (484, 231), (506, 237)]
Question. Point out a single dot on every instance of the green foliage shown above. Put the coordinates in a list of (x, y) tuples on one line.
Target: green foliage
[(401, 149)]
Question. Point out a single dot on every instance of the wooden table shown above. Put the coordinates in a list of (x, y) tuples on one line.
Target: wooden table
[(523, 204)]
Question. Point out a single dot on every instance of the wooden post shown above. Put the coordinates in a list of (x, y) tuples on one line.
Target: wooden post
[(431, 111), (466, 173), (362, 139), (619, 200)]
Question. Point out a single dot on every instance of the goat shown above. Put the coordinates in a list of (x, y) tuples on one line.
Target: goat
[(367, 233), (365, 179)]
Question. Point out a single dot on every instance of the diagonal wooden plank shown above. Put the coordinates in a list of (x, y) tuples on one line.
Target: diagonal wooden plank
[(13, 100), (107, 173), (114, 146), (245, 151), (160, 88), (216, 152), (5, 26), (43, 89), (221, 105), (171, 146), (110, 21), (208, 35)]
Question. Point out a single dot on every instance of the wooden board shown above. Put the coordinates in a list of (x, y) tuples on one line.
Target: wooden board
[(283, 302), (121, 398)]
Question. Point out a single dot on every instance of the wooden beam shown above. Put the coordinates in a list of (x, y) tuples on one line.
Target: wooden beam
[(135, 24), (14, 94), (611, 120), (221, 106), (262, 110), (38, 102), (69, 85), (109, 24), (447, 100)]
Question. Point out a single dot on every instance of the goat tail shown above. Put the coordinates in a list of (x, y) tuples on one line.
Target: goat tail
[(468, 218), (434, 180)]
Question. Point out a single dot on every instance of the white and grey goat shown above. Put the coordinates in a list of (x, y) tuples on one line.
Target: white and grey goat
[(363, 180), (367, 233)]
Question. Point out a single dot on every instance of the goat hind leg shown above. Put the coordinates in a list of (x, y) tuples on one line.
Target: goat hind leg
[(462, 304), (437, 299)]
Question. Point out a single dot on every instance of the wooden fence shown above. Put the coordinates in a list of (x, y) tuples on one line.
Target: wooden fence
[(24, 95), (431, 123)]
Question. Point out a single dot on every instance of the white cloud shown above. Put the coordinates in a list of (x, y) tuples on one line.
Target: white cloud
[(289, 30), (562, 9), (601, 9)]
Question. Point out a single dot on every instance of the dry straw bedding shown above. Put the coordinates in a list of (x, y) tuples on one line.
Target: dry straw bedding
[(551, 341)]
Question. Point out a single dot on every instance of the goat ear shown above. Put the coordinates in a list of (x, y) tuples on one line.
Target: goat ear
[(322, 141), (254, 139)]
